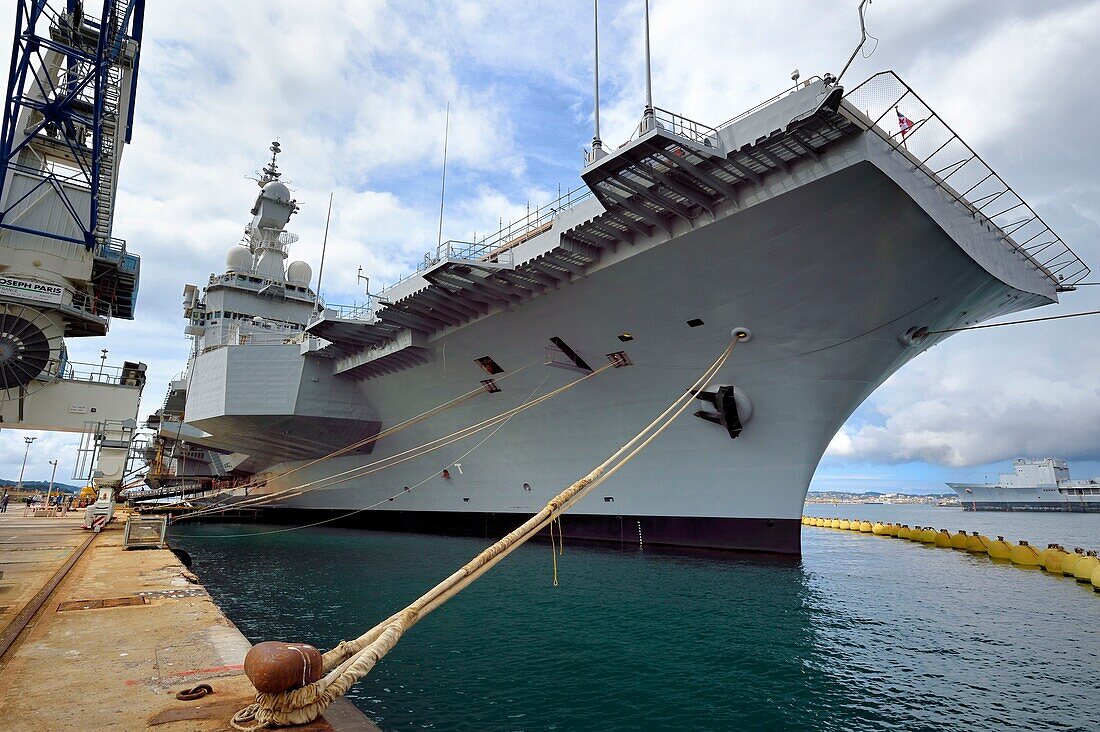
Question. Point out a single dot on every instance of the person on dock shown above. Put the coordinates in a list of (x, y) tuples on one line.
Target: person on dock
[(4, 502)]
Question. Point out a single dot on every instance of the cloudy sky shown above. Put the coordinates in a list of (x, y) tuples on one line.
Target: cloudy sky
[(356, 93)]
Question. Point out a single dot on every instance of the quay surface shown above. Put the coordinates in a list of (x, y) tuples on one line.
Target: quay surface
[(115, 635)]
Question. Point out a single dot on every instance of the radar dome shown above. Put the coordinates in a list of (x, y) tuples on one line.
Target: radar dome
[(238, 259), (300, 273), (278, 190)]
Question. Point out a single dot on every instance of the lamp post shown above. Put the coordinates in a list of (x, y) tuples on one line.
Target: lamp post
[(50, 489), (27, 440)]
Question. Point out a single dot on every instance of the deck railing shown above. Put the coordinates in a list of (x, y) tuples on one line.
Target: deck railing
[(92, 372), (766, 102), (497, 246), (677, 124), (357, 311), (935, 149)]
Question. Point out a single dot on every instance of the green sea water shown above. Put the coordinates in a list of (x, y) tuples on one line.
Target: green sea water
[(861, 633)]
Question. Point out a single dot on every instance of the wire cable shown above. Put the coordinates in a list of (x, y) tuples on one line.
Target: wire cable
[(1015, 322), (376, 504), (401, 457)]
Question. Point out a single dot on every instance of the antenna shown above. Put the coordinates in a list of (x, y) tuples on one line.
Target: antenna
[(360, 277), (648, 115), (321, 271), (597, 143), (271, 170), (443, 185), (862, 38)]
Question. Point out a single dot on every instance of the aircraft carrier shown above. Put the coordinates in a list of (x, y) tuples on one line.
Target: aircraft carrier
[(846, 228)]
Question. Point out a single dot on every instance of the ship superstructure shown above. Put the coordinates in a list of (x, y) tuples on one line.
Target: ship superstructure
[(846, 244), (1034, 485), (260, 301)]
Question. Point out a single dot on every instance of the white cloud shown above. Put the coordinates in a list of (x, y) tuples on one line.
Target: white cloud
[(356, 93), (988, 398)]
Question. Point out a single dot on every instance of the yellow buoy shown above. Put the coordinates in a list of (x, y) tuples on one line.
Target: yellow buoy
[(1069, 561), (1044, 553), (834, 523), (854, 526), (1025, 555), (1096, 579), (977, 543), (1000, 550), (1084, 568), (943, 539), (903, 531), (1052, 559), (958, 540), (880, 529), (895, 529), (865, 527), (803, 520), (845, 525), (916, 533), (928, 536)]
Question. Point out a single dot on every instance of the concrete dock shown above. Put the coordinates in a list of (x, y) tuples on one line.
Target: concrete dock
[(97, 637)]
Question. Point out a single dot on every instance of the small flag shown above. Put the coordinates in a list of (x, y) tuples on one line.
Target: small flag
[(904, 123)]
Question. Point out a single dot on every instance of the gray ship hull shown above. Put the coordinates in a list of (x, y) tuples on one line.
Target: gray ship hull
[(833, 257), (1057, 498), (828, 277), (1068, 507)]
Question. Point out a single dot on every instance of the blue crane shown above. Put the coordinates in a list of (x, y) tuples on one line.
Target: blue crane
[(69, 110)]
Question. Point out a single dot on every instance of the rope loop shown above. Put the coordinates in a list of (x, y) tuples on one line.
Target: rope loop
[(243, 717)]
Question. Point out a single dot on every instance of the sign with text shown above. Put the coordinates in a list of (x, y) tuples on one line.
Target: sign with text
[(30, 290)]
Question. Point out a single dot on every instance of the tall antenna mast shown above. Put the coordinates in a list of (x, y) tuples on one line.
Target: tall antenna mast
[(443, 185), (648, 115), (862, 38), (597, 143), (321, 271)]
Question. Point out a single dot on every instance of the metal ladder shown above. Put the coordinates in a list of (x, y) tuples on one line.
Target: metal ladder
[(109, 125)]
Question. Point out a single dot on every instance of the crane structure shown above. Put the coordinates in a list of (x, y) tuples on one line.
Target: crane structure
[(68, 114)]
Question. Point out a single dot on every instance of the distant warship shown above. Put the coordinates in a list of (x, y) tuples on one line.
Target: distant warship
[(1034, 485)]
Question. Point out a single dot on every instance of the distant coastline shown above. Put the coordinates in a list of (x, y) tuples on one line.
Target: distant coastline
[(870, 497), (30, 486)]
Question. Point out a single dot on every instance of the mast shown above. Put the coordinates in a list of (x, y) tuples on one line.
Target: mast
[(648, 116), (597, 143), (443, 185), (321, 270)]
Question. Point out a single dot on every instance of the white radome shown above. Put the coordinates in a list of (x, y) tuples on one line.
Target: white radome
[(300, 273), (238, 259), (277, 190)]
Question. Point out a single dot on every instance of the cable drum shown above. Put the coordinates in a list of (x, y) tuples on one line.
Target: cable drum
[(25, 349)]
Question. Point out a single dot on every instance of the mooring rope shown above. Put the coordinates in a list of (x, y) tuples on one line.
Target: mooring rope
[(350, 661), (404, 492), (397, 458), (416, 419)]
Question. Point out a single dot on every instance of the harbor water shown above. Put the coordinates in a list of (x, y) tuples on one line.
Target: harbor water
[(862, 632)]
